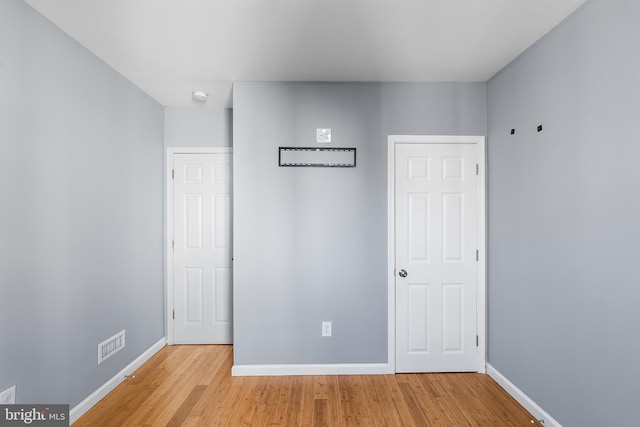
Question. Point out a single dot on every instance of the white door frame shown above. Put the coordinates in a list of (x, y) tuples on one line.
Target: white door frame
[(482, 229), (171, 151)]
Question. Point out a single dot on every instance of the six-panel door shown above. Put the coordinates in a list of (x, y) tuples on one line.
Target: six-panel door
[(202, 249), (436, 191)]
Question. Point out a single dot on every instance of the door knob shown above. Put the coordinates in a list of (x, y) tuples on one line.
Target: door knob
[(402, 273)]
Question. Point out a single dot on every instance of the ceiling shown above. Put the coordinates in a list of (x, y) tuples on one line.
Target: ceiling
[(169, 48)]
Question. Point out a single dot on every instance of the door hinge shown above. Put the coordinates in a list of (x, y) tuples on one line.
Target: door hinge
[(477, 255), (477, 341), (173, 244), (173, 314), (173, 174), (477, 169)]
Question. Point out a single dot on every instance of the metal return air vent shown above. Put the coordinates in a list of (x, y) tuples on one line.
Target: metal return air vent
[(109, 347)]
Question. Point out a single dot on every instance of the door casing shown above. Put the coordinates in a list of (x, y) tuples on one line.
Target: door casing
[(169, 295), (481, 279)]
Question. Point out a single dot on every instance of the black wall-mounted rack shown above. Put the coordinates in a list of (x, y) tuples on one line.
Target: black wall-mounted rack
[(319, 157)]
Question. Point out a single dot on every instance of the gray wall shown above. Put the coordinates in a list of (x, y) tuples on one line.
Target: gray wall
[(197, 127), (564, 205), (81, 216), (310, 244)]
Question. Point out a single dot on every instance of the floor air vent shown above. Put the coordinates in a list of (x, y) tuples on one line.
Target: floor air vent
[(108, 348)]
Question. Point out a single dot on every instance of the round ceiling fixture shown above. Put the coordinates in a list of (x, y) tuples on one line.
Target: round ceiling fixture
[(200, 96)]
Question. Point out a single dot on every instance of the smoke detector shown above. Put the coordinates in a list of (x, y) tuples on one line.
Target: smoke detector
[(200, 96)]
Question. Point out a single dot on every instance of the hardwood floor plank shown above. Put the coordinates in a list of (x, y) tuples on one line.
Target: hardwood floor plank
[(334, 409), (417, 413), (179, 362), (392, 382), (353, 401), (278, 407), (192, 386), (176, 388), (183, 411), (293, 412), (382, 411), (320, 418), (212, 401)]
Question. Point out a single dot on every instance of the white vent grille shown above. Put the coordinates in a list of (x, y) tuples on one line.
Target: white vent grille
[(109, 347)]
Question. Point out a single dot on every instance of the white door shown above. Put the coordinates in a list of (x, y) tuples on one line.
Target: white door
[(202, 249), (436, 219)]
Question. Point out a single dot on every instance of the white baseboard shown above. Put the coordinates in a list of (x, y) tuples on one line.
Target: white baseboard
[(320, 369), (80, 409), (531, 406)]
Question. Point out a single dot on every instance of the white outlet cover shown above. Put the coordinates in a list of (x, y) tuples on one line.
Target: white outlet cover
[(323, 135), (326, 329), (8, 397)]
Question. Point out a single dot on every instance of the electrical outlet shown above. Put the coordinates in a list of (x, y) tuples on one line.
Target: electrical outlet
[(8, 397), (326, 329)]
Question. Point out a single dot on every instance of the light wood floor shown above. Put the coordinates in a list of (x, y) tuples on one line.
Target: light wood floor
[(192, 386)]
